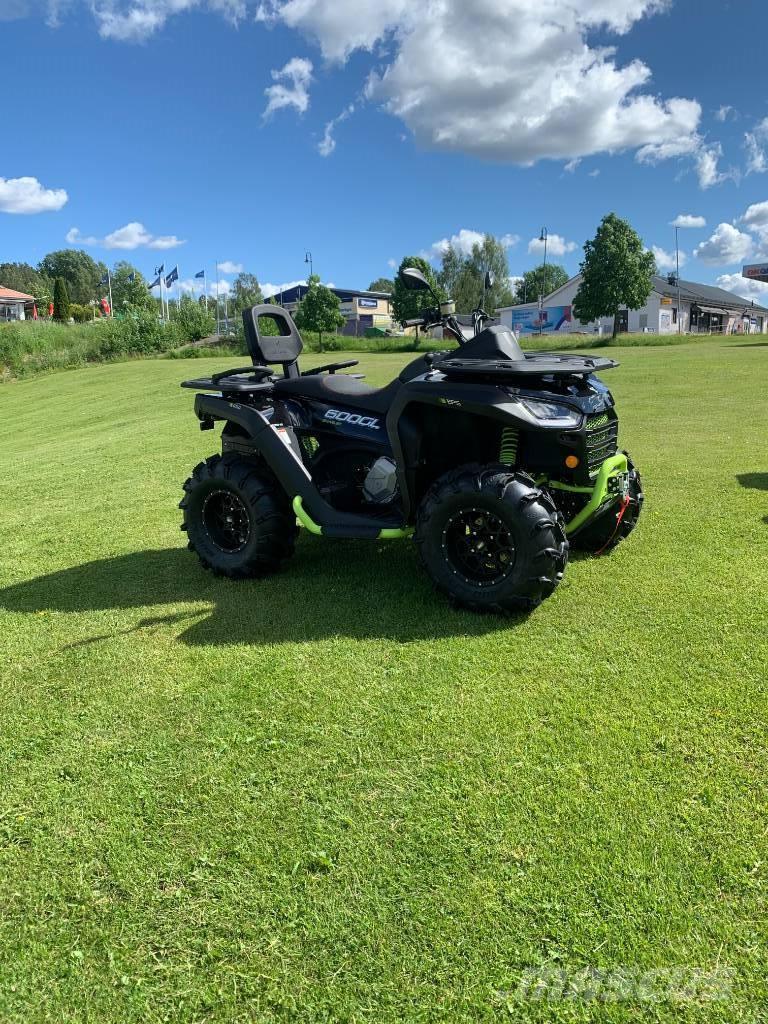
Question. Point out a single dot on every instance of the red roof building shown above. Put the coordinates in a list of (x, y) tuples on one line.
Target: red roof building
[(15, 305)]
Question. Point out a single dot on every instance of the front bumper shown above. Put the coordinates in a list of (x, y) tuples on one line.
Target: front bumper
[(611, 484)]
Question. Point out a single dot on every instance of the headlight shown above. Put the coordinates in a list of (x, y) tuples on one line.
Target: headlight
[(553, 413)]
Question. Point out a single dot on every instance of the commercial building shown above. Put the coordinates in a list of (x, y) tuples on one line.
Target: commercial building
[(359, 309), (700, 308), (15, 305)]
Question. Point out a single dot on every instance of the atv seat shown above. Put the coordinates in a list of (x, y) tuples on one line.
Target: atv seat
[(342, 388), (348, 390)]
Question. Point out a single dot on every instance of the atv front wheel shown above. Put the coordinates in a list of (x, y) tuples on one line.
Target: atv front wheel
[(613, 525), (237, 517), (491, 539)]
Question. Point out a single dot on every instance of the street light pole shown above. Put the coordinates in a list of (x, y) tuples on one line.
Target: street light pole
[(543, 238), (677, 276), (308, 259)]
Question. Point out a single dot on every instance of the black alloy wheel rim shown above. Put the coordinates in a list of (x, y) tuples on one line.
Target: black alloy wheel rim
[(226, 520), (478, 546)]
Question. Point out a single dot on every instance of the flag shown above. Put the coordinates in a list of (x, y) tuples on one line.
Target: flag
[(155, 283), (173, 276), (200, 273), (159, 270), (131, 277), (104, 280)]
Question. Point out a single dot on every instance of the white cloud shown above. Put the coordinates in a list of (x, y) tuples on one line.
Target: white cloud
[(666, 261), (726, 245), (269, 290), (744, 287), (73, 237), (543, 89), (755, 219), (655, 152), (291, 88), (755, 144), (135, 24), (594, 173), (756, 215), (228, 267), (723, 113), (131, 236), (571, 166), (27, 195), (707, 167), (328, 143), (194, 286), (688, 220), (392, 263), (463, 242), (134, 21), (556, 245), (540, 91)]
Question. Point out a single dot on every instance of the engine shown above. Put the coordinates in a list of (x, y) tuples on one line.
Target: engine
[(380, 484)]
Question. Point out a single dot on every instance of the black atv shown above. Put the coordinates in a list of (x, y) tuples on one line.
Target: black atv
[(493, 459)]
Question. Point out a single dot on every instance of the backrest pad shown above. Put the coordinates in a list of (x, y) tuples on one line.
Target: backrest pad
[(284, 347)]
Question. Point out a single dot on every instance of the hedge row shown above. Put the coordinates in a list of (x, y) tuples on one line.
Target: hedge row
[(30, 347)]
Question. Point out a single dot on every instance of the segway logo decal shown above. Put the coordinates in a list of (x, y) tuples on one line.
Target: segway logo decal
[(354, 419)]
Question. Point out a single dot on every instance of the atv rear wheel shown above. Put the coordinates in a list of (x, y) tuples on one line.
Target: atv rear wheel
[(237, 517), (610, 528), (491, 539)]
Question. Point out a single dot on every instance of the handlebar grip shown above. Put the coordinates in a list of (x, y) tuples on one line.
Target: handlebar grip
[(414, 323)]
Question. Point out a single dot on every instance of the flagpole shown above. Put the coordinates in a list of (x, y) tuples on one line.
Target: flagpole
[(205, 290), (111, 307), (218, 331)]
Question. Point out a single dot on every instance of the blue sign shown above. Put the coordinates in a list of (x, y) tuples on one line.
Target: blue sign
[(368, 303), (547, 320)]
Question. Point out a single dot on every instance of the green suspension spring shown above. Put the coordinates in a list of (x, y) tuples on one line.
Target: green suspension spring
[(508, 448)]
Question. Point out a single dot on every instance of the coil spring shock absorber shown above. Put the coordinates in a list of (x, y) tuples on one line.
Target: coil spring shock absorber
[(508, 446)]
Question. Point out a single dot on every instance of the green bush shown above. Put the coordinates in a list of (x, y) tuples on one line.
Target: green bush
[(80, 314), (193, 321), (139, 332)]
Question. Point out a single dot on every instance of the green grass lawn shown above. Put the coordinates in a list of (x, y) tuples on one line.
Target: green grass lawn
[(328, 796)]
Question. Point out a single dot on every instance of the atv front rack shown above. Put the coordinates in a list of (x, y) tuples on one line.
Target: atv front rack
[(535, 364)]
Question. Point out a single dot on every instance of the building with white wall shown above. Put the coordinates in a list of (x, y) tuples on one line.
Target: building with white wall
[(15, 305), (702, 309)]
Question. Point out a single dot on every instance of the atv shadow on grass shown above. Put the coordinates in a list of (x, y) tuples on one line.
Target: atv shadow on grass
[(348, 589)]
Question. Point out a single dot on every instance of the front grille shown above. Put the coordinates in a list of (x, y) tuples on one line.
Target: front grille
[(602, 440), (593, 422)]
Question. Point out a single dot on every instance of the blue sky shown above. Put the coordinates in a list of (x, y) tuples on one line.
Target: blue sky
[(142, 125)]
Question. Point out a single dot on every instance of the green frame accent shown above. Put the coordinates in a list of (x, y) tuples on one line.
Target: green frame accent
[(305, 520), (614, 466)]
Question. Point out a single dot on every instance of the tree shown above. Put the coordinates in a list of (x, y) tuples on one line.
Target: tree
[(246, 292), (382, 284), (60, 301), (127, 292), (616, 270), (319, 310), (78, 269), (21, 277), (451, 271), (542, 280), (407, 305), (463, 277)]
